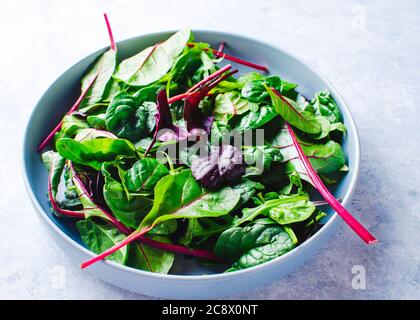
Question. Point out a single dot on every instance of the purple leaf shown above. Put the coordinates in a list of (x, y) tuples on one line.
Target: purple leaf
[(224, 164)]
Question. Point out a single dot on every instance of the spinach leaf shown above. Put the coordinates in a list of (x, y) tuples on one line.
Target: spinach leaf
[(256, 119), (128, 210), (253, 244), (324, 105), (144, 175), (178, 195), (274, 243), (94, 152), (303, 120), (260, 158), (128, 120), (327, 127), (246, 189), (154, 62), (148, 93), (255, 90), (99, 237), (90, 133), (101, 73), (147, 258), (284, 210)]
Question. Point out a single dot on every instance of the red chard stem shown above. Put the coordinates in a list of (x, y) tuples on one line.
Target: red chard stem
[(361, 231), (111, 36), (234, 59), (50, 136)]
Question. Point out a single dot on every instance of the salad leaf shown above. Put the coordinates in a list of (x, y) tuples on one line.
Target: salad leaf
[(94, 152), (128, 210), (129, 120), (154, 62), (231, 103), (254, 244), (255, 90), (303, 120), (224, 164), (144, 175), (284, 210), (260, 158), (324, 105), (99, 237), (97, 121), (178, 195), (102, 72), (256, 119), (150, 259), (72, 124)]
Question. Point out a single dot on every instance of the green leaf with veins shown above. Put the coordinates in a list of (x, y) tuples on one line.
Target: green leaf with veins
[(146, 258), (260, 158), (97, 121), (73, 124), (100, 237), (94, 152), (256, 119), (254, 244), (102, 70), (154, 62), (178, 195), (285, 214), (303, 120), (231, 103), (130, 120), (128, 210), (144, 175)]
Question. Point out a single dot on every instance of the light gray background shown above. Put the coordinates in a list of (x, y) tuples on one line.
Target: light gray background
[(369, 49)]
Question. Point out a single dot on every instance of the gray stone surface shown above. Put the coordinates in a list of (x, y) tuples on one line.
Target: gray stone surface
[(369, 49)]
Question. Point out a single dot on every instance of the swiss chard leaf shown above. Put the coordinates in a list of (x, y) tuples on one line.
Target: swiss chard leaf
[(102, 72), (178, 195), (147, 258), (99, 237), (325, 158), (154, 62), (303, 120)]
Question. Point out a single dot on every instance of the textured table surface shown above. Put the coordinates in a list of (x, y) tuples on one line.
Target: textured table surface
[(369, 49)]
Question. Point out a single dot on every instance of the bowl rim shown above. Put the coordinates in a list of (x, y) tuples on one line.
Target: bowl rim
[(208, 277)]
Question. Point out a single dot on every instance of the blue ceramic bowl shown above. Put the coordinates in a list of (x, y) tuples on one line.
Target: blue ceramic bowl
[(187, 279)]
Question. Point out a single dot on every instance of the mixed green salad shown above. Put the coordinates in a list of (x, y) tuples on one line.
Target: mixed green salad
[(146, 164)]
